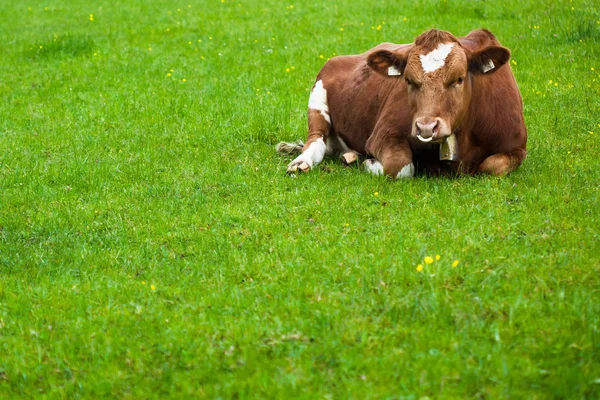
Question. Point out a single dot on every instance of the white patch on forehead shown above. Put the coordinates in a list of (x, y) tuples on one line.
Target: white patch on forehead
[(437, 58), (488, 66), (318, 100), (393, 71)]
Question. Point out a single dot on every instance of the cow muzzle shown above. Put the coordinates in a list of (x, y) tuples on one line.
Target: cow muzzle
[(431, 130)]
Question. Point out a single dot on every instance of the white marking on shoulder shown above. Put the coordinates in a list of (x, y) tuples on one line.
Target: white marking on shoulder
[(373, 166), (408, 171), (318, 100), (437, 58), (488, 66), (393, 71), (314, 154)]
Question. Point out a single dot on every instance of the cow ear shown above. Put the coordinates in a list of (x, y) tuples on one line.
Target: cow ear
[(387, 63), (488, 60)]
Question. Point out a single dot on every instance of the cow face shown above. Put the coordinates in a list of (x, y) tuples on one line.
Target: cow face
[(439, 75)]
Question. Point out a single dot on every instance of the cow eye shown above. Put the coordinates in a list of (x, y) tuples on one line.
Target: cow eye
[(460, 81)]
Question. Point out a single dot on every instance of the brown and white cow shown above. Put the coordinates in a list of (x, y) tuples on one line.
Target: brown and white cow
[(414, 104)]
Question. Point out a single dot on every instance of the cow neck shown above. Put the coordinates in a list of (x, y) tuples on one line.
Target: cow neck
[(478, 97), (387, 90)]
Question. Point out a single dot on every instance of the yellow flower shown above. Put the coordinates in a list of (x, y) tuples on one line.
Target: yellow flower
[(152, 287), (419, 267), (287, 70), (184, 80), (437, 257), (342, 29), (91, 17), (455, 263), (376, 194), (428, 260), (514, 62), (143, 282), (592, 68)]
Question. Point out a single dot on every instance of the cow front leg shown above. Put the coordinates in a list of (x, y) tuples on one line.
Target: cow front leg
[(393, 160), (374, 167), (319, 124), (502, 163), (312, 154)]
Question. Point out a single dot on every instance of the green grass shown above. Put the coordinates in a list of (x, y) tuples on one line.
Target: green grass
[(151, 244)]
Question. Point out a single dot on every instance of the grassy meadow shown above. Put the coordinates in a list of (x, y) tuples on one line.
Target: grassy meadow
[(152, 246)]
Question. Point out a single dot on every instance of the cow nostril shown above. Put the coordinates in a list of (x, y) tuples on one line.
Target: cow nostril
[(436, 128)]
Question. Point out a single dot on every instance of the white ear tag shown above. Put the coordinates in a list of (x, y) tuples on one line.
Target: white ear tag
[(488, 66), (392, 71)]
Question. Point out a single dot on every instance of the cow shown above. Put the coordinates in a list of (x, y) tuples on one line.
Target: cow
[(441, 102)]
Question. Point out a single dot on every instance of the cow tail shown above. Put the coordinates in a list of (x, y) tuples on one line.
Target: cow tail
[(290, 147)]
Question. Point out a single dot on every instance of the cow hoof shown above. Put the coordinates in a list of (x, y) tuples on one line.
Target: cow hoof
[(349, 158), (407, 172), (296, 167), (373, 166)]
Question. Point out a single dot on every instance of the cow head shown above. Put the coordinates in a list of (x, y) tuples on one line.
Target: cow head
[(439, 74)]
